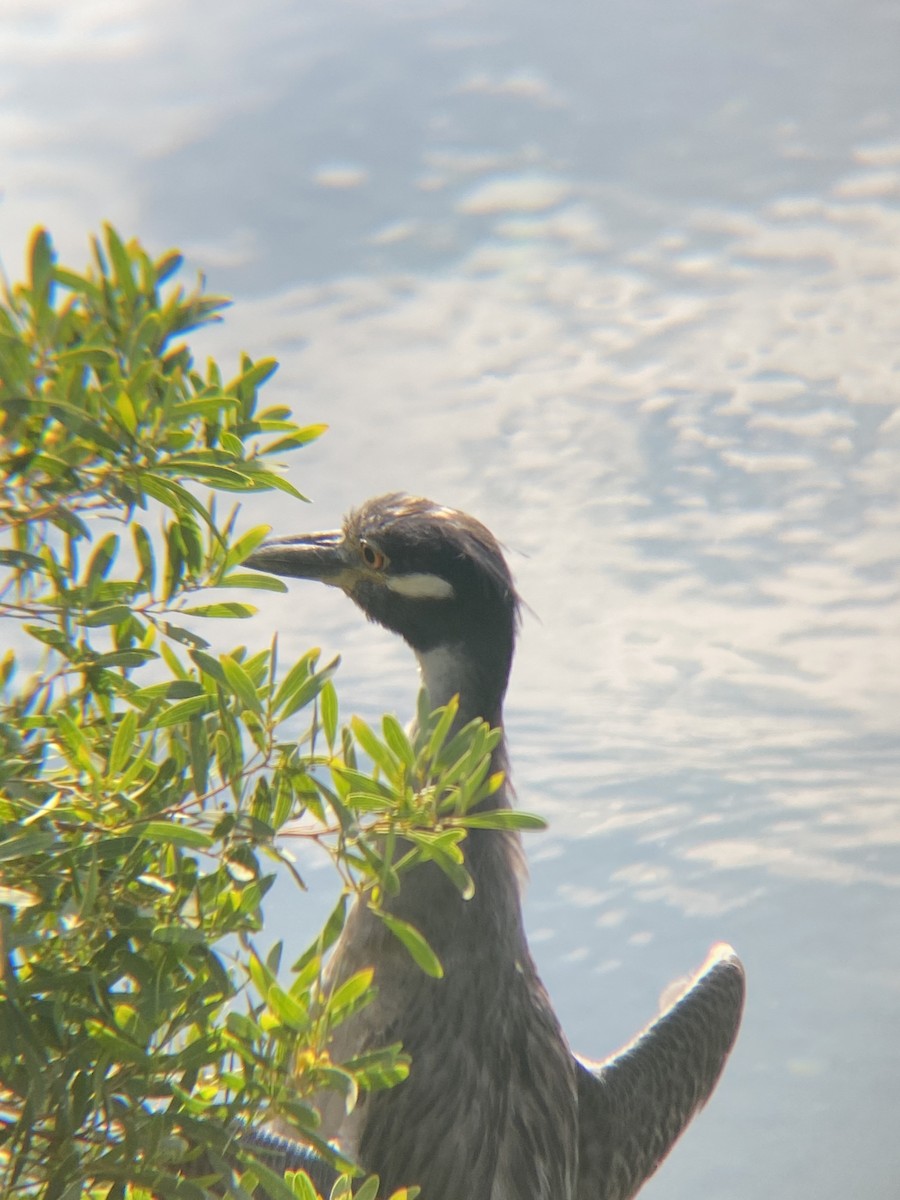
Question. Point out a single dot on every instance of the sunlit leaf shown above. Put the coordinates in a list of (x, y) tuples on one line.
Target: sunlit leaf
[(380, 754), (396, 738), (287, 1008), (328, 709), (261, 582), (226, 608)]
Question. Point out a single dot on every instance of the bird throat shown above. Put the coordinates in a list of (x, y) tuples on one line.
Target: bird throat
[(449, 671)]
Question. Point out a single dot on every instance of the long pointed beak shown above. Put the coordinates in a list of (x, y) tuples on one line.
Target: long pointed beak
[(321, 556)]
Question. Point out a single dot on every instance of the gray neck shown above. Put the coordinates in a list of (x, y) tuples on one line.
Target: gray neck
[(494, 859), (449, 671)]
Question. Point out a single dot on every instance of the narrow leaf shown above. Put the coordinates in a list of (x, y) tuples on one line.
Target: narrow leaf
[(380, 754), (419, 950), (287, 1008), (331, 930), (241, 683), (101, 561), (229, 608), (328, 708), (175, 834), (144, 550), (112, 614), (396, 738), (502, 818), (184, 636), (244, 579), (183, 710)]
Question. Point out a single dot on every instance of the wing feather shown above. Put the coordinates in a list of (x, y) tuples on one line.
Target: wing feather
[(635, 1104)]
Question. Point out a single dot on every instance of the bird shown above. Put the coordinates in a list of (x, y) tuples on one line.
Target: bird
[(496, 1105)]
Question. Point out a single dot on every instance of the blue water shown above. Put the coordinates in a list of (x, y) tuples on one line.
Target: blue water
[(623, 281)]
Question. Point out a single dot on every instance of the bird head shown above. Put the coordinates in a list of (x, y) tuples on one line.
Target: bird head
[(431, 574)]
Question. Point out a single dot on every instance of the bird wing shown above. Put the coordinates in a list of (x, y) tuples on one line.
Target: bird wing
[(636, 1103)]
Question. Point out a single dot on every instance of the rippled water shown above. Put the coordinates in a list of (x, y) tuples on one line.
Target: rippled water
[(625, 284)]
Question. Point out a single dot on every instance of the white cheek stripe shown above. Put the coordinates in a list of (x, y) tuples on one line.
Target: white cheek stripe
[(420, 586)]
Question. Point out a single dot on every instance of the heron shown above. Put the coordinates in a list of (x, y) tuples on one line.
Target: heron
[(496, 1105)]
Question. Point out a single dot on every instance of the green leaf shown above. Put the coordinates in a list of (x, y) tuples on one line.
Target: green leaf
[(228, 608), (369, 1190), (123, 743), (167, 265), (262, 977), (287, 1008), (233, 445), (272, 1184), (199, 749), (174, 833), (101, 560), (25, 842), (296, 677), (419, 950), (41, 271), (208, 665), (442, 728), (395, 736), (290, 699), (501, 818), (351, 995), (172, 689), (263, 480), (331, 931), (183, 710), (365, 785), (241, 683), (244, 579), (302, 1188), (20, 558), (125, 413), (124, 658), (254, 375), (178, 935), (380, 754), (328, 708), (210, 408), (76, 283), (144, 550), (295, 441), (443, 847), (185, 637), (246, 544), (75, 421), (77, 743), (175, 497), (112, 614), (121, 262), (218, 476)]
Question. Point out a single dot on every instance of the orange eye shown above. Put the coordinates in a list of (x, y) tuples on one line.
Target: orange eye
[(374, 558)]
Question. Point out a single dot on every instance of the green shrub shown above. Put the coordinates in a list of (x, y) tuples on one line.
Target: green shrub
[(144, 779)]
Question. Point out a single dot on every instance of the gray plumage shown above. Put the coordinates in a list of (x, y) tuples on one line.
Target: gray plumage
[(496, 1106)]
